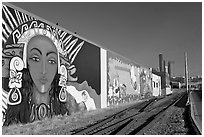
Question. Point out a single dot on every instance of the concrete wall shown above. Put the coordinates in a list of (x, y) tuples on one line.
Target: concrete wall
[(88, 76)]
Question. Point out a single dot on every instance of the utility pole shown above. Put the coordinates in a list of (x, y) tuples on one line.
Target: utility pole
[(186, 78), (186, 71)]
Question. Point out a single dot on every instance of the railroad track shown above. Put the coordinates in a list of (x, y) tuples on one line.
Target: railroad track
[(98, 124), (133, 120)]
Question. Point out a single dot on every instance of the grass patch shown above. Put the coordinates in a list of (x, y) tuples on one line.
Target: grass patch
[(64, 124)]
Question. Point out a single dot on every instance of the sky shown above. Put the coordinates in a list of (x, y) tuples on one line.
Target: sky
[(135, 30)]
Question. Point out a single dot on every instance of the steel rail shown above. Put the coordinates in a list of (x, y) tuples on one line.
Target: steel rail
[(97, 125), (120, 126)]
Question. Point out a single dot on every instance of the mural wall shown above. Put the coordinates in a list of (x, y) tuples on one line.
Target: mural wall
[(45, 71), (48, 71), (127, 81)]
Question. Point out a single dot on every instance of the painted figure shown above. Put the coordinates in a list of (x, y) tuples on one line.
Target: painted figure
[(83, 101), (39, 93), (89, 102)]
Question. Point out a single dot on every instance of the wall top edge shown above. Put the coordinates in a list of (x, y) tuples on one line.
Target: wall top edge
[(63, 29)]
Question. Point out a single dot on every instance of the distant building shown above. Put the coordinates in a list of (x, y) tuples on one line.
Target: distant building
[(164, 74), (156, 85)]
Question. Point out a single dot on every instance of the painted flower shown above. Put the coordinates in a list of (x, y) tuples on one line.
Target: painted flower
[(62, 81), (15, 79)]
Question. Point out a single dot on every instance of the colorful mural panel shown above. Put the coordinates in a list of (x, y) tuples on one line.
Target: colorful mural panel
[(45, 71), (123, 80), (145, 83)]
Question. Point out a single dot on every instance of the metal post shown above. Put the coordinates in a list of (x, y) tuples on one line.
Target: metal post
[(186, 71), (186, 78)]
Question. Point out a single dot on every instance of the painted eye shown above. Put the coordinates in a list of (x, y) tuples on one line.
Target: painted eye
[(52, 61), (35, 58)]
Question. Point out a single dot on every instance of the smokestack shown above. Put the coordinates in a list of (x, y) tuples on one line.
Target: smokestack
[(164, 66), (160, 62), (164, 77), (169, 69)]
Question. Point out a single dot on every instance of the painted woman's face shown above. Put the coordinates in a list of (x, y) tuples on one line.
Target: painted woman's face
[(42, 61)]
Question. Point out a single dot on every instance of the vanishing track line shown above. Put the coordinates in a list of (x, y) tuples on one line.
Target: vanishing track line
[(113, 119), (133, 120)]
